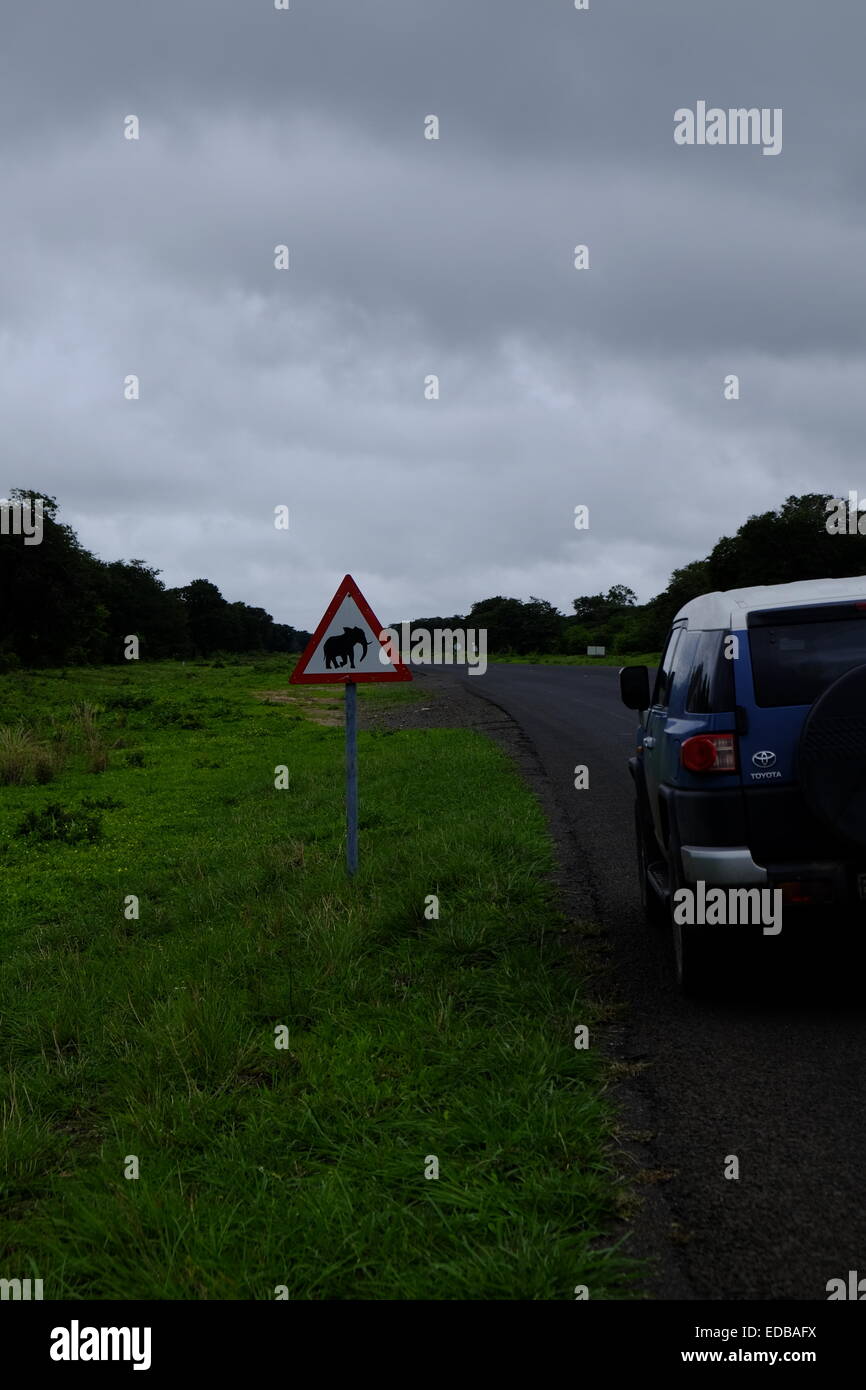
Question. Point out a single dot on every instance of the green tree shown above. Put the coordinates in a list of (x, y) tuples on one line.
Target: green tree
[(52, 610), (138, 602), (209, 621), (779, 547), (600, 617)]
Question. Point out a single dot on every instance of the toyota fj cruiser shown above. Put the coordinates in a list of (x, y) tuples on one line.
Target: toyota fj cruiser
[(751, 761)]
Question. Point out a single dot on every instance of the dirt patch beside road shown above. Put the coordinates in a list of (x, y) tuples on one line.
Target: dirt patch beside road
[(320, 708)]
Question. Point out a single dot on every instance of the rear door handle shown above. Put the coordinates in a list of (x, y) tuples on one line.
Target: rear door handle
[(649, 743)]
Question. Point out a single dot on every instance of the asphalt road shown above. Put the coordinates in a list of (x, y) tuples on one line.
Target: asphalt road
[(771, 1070)]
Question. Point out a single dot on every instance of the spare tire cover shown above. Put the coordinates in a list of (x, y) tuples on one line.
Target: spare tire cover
[(831, 759)]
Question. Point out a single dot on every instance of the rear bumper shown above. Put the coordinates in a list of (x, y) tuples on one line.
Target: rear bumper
[(721, 865), (808, 881)]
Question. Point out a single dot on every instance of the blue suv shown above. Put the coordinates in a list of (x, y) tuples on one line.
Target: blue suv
[(750, 771)]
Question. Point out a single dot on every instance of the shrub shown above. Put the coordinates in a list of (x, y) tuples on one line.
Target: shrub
[(173, 716), (85, 715), (22, 759), (55, 822), (128, 702)]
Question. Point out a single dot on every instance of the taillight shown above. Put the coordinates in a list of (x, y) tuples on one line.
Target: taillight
[(709, 753)]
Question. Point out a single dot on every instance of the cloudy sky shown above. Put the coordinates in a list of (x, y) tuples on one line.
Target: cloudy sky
[(411, 257)]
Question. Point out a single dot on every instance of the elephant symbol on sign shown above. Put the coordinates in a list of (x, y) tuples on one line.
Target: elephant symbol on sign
[(340, 648)]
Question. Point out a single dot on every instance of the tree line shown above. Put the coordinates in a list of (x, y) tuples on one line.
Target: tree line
[(63, 606), (774, 547)]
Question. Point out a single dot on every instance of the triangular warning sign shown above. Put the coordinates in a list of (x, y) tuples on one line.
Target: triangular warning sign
[(345, 646)]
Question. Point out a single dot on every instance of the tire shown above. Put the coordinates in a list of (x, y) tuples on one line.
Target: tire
[(654, 908), (831, 757)]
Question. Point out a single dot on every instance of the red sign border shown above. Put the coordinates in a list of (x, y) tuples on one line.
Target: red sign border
[(346, 588)]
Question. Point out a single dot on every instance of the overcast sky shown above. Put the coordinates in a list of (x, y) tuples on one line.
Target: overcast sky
[(409, 257)]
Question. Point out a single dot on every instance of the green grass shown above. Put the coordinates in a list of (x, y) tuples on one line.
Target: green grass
[(407, 1037), (567, 659)]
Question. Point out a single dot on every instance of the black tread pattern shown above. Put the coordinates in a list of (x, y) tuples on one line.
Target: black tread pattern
[(831, 758)]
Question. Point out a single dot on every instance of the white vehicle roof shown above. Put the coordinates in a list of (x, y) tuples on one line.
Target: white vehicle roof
[(730, 608)]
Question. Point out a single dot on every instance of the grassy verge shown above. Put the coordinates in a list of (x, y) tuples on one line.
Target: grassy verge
[(566, 659), (152, 1038)]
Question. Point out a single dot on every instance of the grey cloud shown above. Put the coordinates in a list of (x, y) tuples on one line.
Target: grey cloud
[(411, 257)]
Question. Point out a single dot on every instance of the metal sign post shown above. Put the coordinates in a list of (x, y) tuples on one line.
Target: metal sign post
[(351, 778), (346, 648)]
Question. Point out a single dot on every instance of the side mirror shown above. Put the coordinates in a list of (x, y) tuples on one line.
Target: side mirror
[(634, 687)]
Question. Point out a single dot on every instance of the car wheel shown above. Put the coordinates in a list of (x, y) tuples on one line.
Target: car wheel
[(654, 908)]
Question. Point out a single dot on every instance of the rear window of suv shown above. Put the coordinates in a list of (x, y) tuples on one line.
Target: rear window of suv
[(665, 674), (797, 653), (711, 683)]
